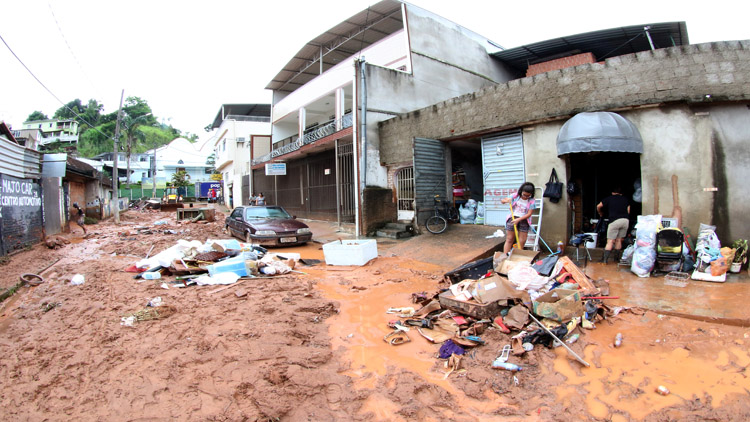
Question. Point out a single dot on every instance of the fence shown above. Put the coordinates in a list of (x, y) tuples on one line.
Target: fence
[(136, 192)]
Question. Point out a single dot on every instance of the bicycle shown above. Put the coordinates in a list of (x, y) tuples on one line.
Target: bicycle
[(443, 213)]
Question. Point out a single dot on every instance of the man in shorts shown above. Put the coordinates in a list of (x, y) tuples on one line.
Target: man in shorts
[(617, 209), (78, 217)]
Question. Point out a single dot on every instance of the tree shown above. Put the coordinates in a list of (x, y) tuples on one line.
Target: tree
[(181, 179), (37, 115), (136, 113), (69, 110)]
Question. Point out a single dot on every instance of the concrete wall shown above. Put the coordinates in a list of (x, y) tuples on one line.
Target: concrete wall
[(20, 213), (689, 103)]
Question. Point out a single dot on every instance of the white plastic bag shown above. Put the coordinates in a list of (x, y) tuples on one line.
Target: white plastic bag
[(526, 278), (466, 215), (480, 213), (644, 256)]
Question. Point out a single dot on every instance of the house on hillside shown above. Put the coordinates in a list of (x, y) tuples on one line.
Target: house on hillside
[(391, 58), (635, 106), (64, 131), (242, 133)]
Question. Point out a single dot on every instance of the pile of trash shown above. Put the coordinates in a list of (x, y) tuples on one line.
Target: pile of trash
[(217, 261), (546, 302)]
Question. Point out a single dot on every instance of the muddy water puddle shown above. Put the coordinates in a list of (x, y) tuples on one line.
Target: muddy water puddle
[(691, 359)]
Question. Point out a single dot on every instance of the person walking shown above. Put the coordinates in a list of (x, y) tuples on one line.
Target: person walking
[(260, 200), (78, 217), (523, 204), (617, 209)]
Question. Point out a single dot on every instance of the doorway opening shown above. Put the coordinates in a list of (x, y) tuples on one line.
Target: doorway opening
[(595, 175)]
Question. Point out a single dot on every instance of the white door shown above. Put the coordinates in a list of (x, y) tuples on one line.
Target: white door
[(405, 193), (503, 169)]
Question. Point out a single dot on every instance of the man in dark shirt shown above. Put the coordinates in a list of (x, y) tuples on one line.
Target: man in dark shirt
[(617, 207)]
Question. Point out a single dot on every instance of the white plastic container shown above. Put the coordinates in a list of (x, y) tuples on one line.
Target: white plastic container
[(592, 244), (232, 265), (350, 252), (151, 275)]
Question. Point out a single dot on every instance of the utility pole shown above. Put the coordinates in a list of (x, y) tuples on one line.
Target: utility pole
[(115, 175), (153, 174)]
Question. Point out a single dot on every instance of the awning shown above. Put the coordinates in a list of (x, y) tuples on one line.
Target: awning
[(598, 131)]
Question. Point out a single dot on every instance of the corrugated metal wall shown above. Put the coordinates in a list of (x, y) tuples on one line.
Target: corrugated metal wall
[(18, 161), (503, 166), (430, 175)]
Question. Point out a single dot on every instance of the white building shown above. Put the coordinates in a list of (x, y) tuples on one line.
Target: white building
[(242, 132), (392, 58)]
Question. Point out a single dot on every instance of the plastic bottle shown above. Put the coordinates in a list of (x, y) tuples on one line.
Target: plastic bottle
[(559, 247), (151, 275), (572, 339), (664, 391), (505, 365), (618, 340)]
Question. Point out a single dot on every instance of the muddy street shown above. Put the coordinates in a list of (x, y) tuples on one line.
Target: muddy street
[(309, 345)]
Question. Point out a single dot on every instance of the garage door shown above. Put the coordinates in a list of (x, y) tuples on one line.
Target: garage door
[(502, 165)]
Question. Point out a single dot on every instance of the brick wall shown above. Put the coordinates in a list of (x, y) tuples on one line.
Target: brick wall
[(676, 74), (381, 208), (561, 63)]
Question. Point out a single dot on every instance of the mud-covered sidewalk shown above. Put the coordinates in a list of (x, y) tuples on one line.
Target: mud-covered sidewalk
[(310, 347)]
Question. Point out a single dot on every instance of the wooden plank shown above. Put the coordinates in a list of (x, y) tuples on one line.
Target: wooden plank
[(578, 275)]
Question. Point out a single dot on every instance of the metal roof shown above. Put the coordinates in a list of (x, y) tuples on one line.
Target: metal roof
[(339, 43), (603, 44), (260, 110)]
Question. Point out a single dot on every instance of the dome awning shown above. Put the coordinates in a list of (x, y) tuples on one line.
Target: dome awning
[(598, 131)]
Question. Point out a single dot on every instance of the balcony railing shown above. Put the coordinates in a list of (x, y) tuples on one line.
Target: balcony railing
[(309, 137), (61, 138), (241, 118)]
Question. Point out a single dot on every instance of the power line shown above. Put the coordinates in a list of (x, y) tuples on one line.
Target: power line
[(48, 90), (71, 50)]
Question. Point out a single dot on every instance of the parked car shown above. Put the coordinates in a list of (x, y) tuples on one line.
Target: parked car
[(267, 225)]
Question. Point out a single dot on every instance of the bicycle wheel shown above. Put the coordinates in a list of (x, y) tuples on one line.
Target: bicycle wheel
[(436, 224), (452, 214)]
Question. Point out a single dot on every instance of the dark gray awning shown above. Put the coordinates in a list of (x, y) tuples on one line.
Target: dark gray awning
[(598, 131)]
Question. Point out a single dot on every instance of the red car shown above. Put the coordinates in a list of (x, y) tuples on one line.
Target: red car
[(267, 226)]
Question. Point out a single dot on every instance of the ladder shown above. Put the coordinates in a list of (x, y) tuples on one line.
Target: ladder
[(535, 221)]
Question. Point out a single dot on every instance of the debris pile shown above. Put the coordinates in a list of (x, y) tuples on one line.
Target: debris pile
[(518, 299)]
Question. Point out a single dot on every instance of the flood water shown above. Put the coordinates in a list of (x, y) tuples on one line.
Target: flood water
[(690, 358)]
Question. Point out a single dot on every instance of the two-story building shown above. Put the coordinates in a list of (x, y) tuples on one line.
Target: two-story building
[(242, 132), (391, 58), (54, 130)]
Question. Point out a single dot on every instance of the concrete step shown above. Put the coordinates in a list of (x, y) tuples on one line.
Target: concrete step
[(398, 226), (392, 233)]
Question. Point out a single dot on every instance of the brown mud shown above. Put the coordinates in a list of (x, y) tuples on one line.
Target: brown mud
[(310, 347)]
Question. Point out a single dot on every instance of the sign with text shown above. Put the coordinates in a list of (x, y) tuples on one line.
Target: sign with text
[(276, 169)]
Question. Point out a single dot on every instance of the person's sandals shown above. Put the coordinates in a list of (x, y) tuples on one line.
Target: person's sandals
[(397, 337)]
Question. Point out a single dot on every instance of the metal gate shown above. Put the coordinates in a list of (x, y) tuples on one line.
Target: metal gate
[(345, 180), (246, 190), (502, 164), (430, 175), (405, 193)]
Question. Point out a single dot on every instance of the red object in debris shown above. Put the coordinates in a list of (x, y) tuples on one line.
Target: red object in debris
[(600, 297), (460, 320), (504, 328), (134, 269)]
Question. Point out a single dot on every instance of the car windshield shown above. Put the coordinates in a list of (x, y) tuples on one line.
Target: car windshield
[(266, 212)]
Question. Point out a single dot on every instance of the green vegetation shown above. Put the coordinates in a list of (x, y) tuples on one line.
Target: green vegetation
[(181, 179), (140, 130)]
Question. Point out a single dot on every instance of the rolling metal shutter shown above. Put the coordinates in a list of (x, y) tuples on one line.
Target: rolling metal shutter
[(429, 175), (502, 161)]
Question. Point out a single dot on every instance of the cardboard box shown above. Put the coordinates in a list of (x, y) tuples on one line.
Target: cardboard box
[(495, 288), (559, 304), (502, 266), (471, 308)]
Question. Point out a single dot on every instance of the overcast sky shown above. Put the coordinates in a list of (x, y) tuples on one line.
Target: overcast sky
[(187, 58)]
